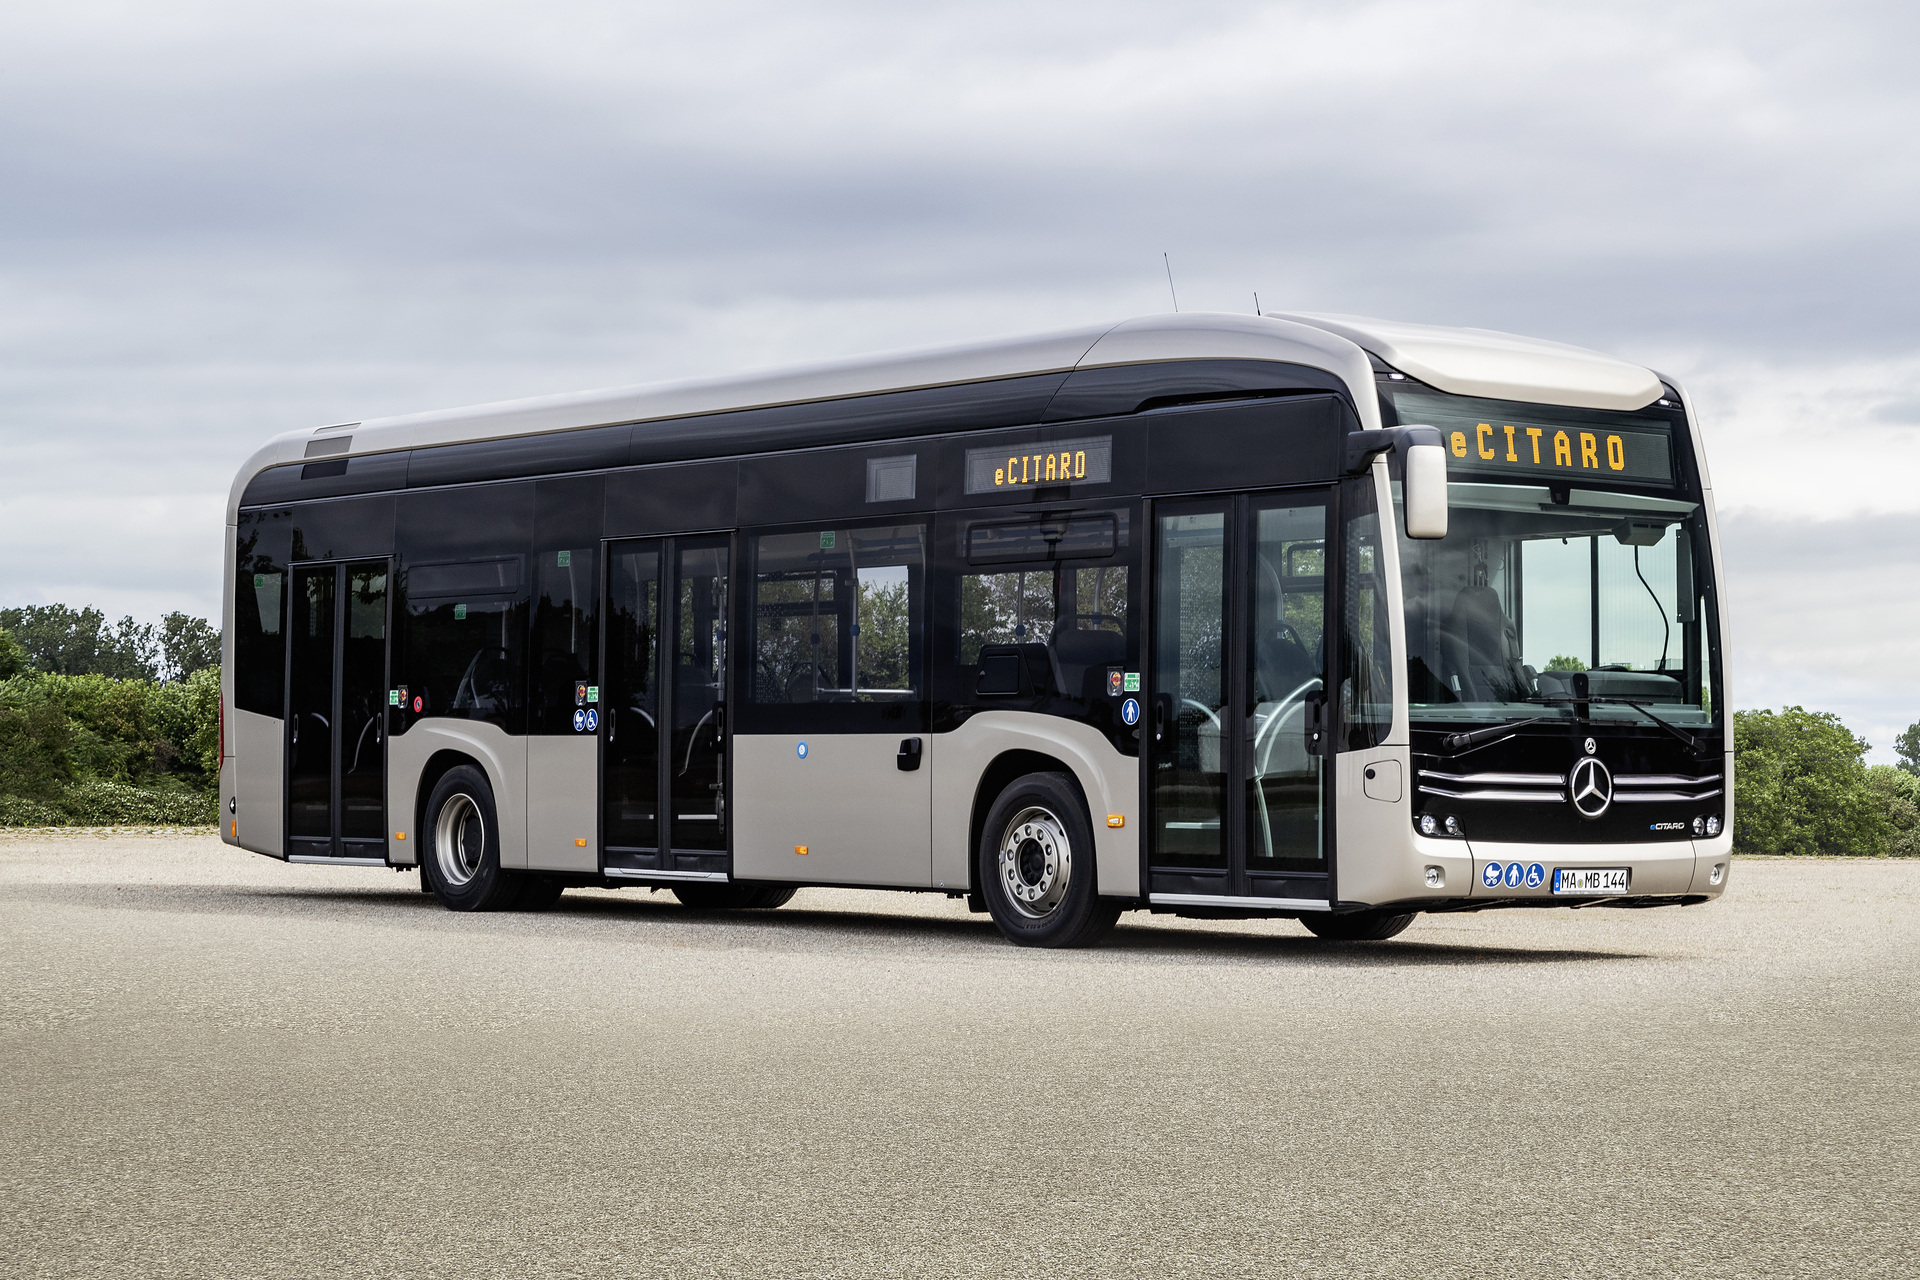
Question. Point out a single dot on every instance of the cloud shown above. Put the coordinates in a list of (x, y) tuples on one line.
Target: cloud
[(225, 220)]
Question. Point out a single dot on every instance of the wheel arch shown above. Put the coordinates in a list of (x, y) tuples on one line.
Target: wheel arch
[(1001, 772), (437, 766)]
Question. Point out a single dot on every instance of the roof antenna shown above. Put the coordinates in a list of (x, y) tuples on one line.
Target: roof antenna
[(1176, 297), (1256, 302)]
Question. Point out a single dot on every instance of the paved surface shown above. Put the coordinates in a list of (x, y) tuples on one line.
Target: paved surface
[(215, 1064)]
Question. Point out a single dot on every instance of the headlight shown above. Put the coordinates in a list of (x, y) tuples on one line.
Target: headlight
[(1699, 826), (1427, 825), (1453, 826), (1713, 826)]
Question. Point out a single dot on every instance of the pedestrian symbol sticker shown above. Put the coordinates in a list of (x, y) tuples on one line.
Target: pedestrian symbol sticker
[(1130, 711), (1515, 873), (801, 751)]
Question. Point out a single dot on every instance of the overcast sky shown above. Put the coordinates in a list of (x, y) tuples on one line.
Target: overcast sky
[(220, 221)]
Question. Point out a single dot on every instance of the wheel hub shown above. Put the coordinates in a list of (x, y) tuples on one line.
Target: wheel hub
[(459, 840), (1035, 862)]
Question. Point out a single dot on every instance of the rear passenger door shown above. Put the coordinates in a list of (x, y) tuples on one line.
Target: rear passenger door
[(830, 763)]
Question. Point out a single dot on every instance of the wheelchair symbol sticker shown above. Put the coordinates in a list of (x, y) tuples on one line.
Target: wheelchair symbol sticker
[(1536, 875), (593, 720)]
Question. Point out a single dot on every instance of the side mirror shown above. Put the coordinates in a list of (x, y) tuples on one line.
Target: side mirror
[(1425, 491)]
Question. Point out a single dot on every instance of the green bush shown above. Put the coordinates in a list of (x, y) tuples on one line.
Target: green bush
[(1899, 795), (93, 750), (1801, 787)]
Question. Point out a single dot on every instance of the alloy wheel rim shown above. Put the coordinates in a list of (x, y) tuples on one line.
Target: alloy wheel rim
[(459, 840), (1035, 862)]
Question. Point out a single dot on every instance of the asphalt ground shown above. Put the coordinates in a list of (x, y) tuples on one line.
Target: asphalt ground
[(217, 1064)]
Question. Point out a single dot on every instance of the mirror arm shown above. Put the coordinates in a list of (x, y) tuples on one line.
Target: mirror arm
[(1364, 446)]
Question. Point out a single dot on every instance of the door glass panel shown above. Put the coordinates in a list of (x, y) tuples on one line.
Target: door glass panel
[(695, 762), (1190, 691), (1286, 656), (310, 712), (631, 700), (363, 704)]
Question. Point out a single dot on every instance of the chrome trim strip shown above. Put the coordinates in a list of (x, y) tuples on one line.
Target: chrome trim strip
[(631, 873), (1215, 900), (317, 861), (1500, 779), (1661, 780), (1517, 797), (1662, 797)]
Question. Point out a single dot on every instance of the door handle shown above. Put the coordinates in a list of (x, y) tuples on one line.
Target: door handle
[(1162, 715), (1316, 718), (908, 758)]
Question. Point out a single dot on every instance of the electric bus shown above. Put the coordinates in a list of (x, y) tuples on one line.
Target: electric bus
[(1308, 616)]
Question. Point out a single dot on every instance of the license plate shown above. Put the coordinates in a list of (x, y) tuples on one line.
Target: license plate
[(1591, 879)]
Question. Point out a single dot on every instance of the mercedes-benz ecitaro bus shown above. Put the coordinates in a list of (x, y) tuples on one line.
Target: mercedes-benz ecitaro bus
[(1309, 616)]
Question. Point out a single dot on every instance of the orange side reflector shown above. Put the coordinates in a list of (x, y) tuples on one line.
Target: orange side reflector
[(399, 835), (579, 844), (236, 828), (800, 849), (1116, 819)]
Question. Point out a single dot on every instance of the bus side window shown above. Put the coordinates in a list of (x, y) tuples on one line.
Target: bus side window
[(837, 616)]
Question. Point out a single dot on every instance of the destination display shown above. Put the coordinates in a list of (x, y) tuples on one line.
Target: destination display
[(1485, 436), (1086, 461)]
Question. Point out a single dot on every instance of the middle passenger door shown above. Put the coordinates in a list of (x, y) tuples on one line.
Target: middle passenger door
[(832, 781)]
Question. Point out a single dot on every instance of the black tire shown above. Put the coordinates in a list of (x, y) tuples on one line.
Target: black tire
[(1036, 865), (1358, 926), (734, 897), (461, 857)]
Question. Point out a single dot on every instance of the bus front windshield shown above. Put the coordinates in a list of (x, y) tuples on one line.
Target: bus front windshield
[(1561, 602)]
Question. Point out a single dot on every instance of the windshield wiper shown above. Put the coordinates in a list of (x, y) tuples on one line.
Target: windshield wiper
[(1693, 744), (1458, 742)]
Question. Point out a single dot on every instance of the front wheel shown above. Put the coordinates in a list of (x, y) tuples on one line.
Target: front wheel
[(1037, 869), (1358, 926)]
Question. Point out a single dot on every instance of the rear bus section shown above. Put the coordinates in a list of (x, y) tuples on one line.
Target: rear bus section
[(1127, 618)]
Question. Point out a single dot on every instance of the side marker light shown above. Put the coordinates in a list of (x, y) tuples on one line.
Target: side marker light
[(579, 844), (1116, 819), (399, 835), (800, 849)]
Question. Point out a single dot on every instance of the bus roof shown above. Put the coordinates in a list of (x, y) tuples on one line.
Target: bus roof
[(1466, 361)]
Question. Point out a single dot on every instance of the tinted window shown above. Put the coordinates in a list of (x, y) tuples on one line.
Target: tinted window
[(565, 668), (837, 617), (259, 612), (1039, 616)]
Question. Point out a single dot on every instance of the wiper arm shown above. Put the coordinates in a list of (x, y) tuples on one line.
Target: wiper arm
[(1693, 744), (1458, 742)]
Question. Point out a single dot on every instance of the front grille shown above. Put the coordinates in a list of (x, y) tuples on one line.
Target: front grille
[(1515, 788), (1551, 788), (1664, 788)]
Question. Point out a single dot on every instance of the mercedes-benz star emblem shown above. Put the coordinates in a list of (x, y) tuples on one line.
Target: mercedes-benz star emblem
[(1591, 748), (1592, 787)]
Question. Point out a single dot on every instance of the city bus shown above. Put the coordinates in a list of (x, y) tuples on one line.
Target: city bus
[(1307, 616)]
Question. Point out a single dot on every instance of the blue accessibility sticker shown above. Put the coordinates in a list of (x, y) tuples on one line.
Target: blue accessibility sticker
[(801, 751), (593, 719), (1536, 875), (1490, 875), (1515, 874), (579, 721), (1130, 711)]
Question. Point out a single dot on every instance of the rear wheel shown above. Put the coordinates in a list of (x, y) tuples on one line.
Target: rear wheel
[(734, 897), (1358, 926), (463, 845), (1036, 866)]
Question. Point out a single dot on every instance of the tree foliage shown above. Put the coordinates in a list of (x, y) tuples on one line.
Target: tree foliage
[(81, 642), (1802, 787)]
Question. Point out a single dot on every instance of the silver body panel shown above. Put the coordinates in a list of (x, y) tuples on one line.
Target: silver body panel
[(501, 756), (257, 749), (861, 818), (1110, 781), (563, 802)]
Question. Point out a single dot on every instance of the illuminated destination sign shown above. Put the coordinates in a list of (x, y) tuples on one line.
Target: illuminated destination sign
[(1088, 461), (1480, 437)]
